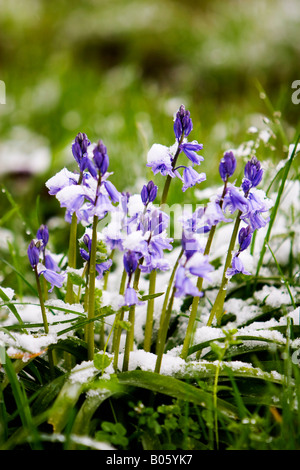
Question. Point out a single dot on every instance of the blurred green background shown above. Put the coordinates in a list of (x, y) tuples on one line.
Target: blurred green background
[(119, 69)]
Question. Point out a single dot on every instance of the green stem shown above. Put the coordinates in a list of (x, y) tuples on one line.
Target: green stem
[(195, 303), (217, 309), (150, 311), (91, 301), (164, 331), (169, 178), (72, 258), (43, 310), (45, 322), (166, 299), (130, 334)]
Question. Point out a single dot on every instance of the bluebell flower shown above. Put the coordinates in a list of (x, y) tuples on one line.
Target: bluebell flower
[(112, 191), (191, 178), (79, 150), (148, 193), (190, 149), (130, 297), (102, 268), (237, 267), (100, 158), (234, 200), (183, 124), (130, 261), (159, 159), (43, 234), (189, 244), (198, 265), (54, 278), (253, 172), (245, 237), (183, 284), (258, 204), (50, 263), (227, 165), (33, 254)]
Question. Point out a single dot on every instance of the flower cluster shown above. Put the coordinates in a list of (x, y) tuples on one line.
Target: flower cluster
[(88, 193), (137, 227), (42, 261), (162, 159)]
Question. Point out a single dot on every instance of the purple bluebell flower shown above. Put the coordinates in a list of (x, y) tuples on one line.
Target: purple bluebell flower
[(189, 244), (102, 268), (130, 297), (130, 261), (245, 237), (183, 124), (54, 278), (227, 165), (160, 160), (199, 265), (43, 234), (234, 200), (257, 205), (50, 263), (237, 267), (191, 178), (149, 193), (79, 150), (112, 191), (152, 263), (33, 254), (61, 180), (253, 172), (184, 285), (100, 157), (190, 149)]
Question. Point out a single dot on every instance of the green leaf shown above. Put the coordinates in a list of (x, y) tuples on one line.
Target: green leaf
[(11, 307), (102, 361), (150, 296), (76, 279), (175, 388)]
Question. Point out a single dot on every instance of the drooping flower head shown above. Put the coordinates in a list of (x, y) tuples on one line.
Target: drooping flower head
[(191, 177), (49, 270), (227, 165)]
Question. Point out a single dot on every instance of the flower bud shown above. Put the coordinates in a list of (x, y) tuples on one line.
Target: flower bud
[(101, 159), (227, 165)]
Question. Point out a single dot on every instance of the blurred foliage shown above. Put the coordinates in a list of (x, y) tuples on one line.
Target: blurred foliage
[(119, 69)]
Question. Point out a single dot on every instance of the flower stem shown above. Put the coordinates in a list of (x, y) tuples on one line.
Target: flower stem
[(217, 309), (193, 315), (150, 310), (130, 334), (45, 322), (91, 300), (71, 258), (118, 328), (166, 299), (164, 331), (169, 178)]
